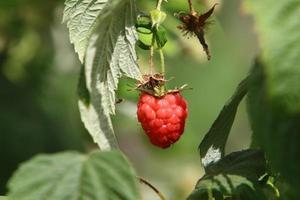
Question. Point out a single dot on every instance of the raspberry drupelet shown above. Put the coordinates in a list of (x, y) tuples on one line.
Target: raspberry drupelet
[(162, 118)]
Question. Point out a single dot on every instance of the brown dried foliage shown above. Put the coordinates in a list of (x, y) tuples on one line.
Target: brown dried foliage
[(194, 24)]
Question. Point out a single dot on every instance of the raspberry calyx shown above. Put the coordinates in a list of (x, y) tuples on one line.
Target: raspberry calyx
[(155, 85)]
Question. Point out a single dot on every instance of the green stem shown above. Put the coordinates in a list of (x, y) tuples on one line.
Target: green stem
[(162, 67), (152, 55), (158, 4), (277, 193), (151, 59), (162, 61)]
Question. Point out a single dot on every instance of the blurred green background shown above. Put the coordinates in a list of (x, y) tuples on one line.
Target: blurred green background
[(38, 79)]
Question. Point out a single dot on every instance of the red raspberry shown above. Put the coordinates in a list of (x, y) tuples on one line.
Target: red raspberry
[(162, 118)]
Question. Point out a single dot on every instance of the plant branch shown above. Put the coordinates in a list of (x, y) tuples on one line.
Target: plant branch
[(158, 4), (151, 63), (162, 61), (152, 187), (162, 65), (192, 11)]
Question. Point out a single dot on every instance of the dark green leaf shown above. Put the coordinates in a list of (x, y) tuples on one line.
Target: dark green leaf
[(73, 176), (83, 92), (288, 192), (160, 36), (274, 96), (144, 21), (275, 131), (225, 186), (213, 145), (249, 163), (205, 194), (142, 45), (235, 176)]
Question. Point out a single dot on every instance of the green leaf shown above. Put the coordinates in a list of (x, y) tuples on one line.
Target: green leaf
[(160, 37), (144, 30), (274, 131), (104, 36), (144, 21), (212, 147), (248, 163), (157, 17), (3, 198), (277, 25), (234, 177), (81, 18), (226, 187), (149, 32), (73, 176), (142, 45), (83, 92), (274, 97)]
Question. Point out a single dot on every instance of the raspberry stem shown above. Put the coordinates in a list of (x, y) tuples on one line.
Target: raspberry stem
[(152, 55), (152, 187), (162, 61), (158, 4), (161, 53), (162, 68)]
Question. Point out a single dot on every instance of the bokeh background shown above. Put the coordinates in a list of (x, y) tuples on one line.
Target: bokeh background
[(38, 82)]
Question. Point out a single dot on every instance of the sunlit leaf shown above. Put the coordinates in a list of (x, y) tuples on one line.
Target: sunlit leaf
[(104, 35), (277, 25), (81, 18)]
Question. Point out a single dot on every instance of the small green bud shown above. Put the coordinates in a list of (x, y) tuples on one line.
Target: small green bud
[(157, 17)]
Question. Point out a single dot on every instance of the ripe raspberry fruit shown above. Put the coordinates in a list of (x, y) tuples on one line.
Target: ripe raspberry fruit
[(162, 118)]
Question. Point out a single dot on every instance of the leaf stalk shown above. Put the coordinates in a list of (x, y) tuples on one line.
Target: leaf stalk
[(161, 196)]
